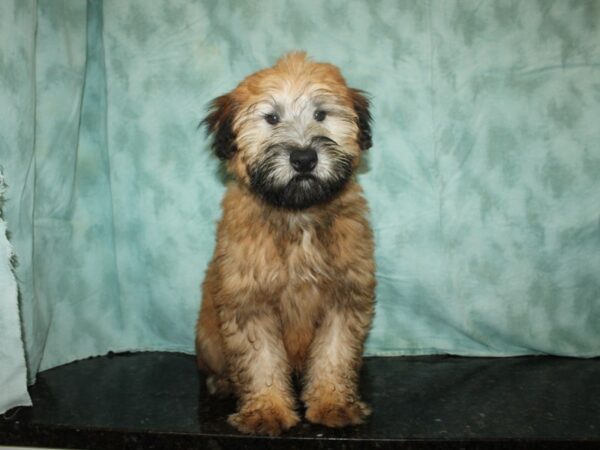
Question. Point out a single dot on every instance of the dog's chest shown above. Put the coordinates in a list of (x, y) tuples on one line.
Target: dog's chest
[(306, 259), (308, 271), (271, 263)]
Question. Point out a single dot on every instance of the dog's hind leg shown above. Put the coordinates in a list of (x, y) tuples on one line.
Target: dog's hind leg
[(209, 350)]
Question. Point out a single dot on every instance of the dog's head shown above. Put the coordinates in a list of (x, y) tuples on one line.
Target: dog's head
[(292, 133)]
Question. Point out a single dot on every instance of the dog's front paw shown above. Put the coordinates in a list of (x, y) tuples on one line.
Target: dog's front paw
[(337, 411), (264, 415)]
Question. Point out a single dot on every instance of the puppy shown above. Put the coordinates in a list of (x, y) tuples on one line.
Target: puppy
[(290, 288)]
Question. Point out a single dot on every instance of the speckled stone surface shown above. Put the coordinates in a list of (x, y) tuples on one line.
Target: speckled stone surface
[(157, 400)]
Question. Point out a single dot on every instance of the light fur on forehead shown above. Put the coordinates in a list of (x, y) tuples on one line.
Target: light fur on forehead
[(293, 71), (298, 64)]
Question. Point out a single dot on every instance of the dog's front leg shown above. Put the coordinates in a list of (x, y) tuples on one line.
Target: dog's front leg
[(259, 369), (331, 383)]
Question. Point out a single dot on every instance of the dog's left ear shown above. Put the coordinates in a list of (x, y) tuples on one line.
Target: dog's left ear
[(219, 123), (361, 106)]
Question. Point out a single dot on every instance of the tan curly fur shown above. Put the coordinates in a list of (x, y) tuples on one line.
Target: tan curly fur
[(291, 284)]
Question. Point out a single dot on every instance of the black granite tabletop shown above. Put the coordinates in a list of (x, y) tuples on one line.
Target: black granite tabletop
[(158, 400)]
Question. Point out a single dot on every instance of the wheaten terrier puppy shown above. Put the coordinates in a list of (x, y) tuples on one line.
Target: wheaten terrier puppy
[(290, 288)]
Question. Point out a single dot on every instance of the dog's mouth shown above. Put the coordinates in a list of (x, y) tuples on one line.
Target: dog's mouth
[(275, 181), (304, 177), (300, 192), (303, 191)]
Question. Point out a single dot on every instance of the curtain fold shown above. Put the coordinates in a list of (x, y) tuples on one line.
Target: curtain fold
[(18, 20), (13, 370)]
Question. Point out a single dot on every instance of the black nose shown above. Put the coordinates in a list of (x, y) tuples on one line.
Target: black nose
[(303, 160)]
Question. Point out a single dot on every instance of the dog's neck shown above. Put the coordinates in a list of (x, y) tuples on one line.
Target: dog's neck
[(317, 218)]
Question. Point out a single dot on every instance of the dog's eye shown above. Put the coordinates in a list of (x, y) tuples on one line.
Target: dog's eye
[(272, 119), (320, 115)]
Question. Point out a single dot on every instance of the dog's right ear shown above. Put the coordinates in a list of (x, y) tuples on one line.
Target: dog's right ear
[(361, 104), (219, 124)]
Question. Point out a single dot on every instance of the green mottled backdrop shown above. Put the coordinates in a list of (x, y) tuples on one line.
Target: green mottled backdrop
[(484, 179)]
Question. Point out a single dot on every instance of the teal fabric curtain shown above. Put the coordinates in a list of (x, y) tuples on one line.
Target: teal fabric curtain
[(484, 179), (12, 360)]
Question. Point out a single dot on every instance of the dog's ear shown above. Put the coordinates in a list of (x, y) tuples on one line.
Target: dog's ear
[(219, 124), (361, 106)]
